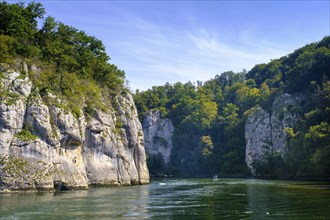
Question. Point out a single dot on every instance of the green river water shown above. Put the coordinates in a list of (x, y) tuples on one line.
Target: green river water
[(177, 199)]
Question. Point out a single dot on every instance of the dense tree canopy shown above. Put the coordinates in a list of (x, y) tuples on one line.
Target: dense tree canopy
[(68, 57), (209, 118), (20, 22)]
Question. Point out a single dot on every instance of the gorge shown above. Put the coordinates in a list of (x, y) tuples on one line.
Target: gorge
[(269, 122), (68, 119)]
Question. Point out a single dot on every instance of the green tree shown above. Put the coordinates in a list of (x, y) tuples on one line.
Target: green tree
[(214, 110), (265, 96), (247, 97), (202, 114), (206, 146), (229, 116), (7, 48), (20, 22)]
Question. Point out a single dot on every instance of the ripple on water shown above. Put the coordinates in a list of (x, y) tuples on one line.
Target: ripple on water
[(174, 199)]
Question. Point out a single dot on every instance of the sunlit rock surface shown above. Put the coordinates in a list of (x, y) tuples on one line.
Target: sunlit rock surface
[(265, 131), (158, 134), (62, 150)]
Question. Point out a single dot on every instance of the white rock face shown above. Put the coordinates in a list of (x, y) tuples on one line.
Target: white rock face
[(158, 134), (264, 132), (283, 116), (257, 134), (64, 151)]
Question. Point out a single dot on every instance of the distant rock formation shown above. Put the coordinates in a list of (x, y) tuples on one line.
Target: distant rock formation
[(264, 131), (44, 146), (158, 134)]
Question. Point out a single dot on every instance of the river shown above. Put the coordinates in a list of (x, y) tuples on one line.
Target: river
[(177, 199)]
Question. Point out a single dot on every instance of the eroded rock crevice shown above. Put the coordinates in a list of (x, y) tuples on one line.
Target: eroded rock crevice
[(264, 131), (43, 146)]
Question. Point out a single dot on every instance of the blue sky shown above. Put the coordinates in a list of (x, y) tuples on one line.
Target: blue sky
[(156, 42)]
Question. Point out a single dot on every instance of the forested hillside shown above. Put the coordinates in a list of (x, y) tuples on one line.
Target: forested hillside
[(74, 65), (210, 117), (66, 119)]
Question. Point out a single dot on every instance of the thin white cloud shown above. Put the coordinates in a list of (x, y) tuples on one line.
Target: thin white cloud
[(155, 43), (216, 48), (170, 56)]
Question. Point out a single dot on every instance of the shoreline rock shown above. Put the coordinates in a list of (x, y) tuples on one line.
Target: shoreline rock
[(43, 146)]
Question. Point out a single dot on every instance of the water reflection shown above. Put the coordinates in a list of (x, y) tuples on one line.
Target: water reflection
[(286, 200), (264, 200), (175, 199), (96, 203)]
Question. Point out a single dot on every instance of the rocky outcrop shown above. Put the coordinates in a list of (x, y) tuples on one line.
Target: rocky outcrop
[(257, 134), (43, 146), (158, 133), (265, 132)]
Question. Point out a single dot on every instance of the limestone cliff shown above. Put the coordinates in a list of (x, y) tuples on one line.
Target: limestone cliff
[(264, 131), (44, 146), (158, 133)]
